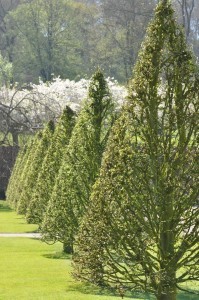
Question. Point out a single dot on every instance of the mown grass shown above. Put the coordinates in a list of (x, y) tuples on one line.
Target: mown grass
[(11, 222), (34, 270), (31, 269)]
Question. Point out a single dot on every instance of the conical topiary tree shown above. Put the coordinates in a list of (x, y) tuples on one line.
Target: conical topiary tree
[(31, 174), (15, 174), (20, 171), (80, 165), (141, 228), (50, 167)]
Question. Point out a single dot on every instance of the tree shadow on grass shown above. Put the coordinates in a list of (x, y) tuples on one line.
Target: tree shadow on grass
[(187, 296), (5, 208), (86, 288), (57, 255)]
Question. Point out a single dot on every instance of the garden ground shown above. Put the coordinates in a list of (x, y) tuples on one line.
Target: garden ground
[(33, 270)]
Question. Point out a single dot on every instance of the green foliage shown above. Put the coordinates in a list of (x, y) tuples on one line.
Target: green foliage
[(40, 37), (80, 165), (19, 171), (71, 38), (50, 167), (5, 71), (141, 227), (49, 40), (15, 174), (33, 167)]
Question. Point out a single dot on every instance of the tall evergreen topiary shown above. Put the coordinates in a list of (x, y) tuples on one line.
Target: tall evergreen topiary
[(31, 173), (50, 167), (21, 167), (15, 174), (80, 165), (141, 228)]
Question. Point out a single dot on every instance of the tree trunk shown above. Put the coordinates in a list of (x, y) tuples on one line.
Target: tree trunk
[(167, 283), (15, 138), (168, 295), (167, 274)]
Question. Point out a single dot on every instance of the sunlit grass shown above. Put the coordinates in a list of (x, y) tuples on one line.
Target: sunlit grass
[(11, 222), (33, 270)]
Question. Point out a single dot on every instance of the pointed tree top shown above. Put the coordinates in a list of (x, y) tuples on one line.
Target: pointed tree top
[(165, 2)]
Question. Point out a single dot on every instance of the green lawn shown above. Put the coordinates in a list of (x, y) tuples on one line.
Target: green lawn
[(11, 222), (33, 270), (30, 270)]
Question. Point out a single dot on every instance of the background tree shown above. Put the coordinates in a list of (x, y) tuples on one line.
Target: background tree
[(7, 36), (5, 72), (36, 158), (42, 37), (124, 24), (19, 114), (143, 204), (26, 109), (187, 9), (188, 14), (80, 165), (50, 40), (71, 38), (50, 167)]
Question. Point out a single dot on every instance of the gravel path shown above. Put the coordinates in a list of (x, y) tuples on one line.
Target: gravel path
[(26, 235)]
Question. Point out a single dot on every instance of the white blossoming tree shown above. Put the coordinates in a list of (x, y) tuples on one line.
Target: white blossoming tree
[(23, 110)]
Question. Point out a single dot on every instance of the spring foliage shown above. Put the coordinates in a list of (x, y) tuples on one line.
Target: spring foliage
[(50, 167), (143, 204), (20, 170), (31, 173), (80, 165)]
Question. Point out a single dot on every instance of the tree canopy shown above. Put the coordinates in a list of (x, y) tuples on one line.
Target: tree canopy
[(71, 38)]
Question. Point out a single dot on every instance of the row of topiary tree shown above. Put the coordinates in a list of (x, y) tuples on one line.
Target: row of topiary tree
[(124, 203), (53, 175)]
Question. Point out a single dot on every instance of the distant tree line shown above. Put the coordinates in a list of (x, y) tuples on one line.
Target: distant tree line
[(69, 39), (46, 38)]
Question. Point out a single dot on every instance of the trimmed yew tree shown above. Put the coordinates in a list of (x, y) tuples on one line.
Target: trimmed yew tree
[(31, 172), (50, 167), (20, 171), (16, 172), (141, 229), (80, 165)]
